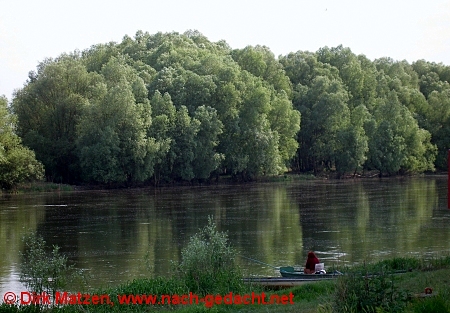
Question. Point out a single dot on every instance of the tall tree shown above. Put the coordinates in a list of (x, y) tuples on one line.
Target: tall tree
[(438, 118), (285, 121), (261, 62), (184, 145), (397, 142), (206, 158), (324, 106), (163, 124), (17, 163), (49, 108), (352, 142), (113, 135)]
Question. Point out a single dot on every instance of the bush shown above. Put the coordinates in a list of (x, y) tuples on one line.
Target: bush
[(41, 271), (359, 292), (208, 263), (431, 305)]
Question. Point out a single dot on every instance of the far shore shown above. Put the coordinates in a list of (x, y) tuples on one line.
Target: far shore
[(32, 187)]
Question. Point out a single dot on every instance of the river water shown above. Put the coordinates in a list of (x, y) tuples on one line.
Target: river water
[(119, 235)]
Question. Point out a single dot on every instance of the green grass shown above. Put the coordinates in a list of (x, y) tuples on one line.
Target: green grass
[(317, 297), (309, 298)]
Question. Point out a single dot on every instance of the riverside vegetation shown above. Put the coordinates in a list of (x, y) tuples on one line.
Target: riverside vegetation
[(207, 267), (173, 107)]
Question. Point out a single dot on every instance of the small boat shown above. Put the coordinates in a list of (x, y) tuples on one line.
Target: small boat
[(277, 282), (290, 272), (290, 278)]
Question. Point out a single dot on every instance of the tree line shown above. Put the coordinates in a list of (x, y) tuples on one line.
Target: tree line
[(176, 107)]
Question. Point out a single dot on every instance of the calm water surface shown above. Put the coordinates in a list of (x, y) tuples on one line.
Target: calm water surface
[(120, 235)]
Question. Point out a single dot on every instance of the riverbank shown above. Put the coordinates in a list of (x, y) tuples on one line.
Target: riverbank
[(425, 287), (33, 187), (223, 180)]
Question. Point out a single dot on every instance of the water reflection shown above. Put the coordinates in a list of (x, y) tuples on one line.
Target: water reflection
[(120, 235), (14, 223)]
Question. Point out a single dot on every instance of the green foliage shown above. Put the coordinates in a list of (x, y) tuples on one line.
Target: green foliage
[(286, 123), (397, 142), (314, 297), (261, 62), (397, 264), (208, 263), (438, 119), (11, 308), (43, 187), (365, 292), (324, 106), (41, 271), (254, 150), (166, 107), (49, 108), (163, 123), (156, 286), (352, 141), (17, 163), (113, 138), (432, 305), (206, 158), (184, 144), (387, 113), (176, 107)]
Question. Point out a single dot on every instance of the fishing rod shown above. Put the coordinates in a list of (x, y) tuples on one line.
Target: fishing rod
[(254, 260)]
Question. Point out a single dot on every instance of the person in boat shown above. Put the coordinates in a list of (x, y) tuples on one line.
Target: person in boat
[(311, 261)]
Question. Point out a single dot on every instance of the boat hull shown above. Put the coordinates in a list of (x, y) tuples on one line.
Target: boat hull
[(280, 282), (303, 276)]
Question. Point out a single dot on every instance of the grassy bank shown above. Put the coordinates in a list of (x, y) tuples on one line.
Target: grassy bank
[(365, 288), (222, 180), (39, 187), (208, 279)]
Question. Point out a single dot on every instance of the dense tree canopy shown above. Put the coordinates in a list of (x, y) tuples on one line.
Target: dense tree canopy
[(177, 107), (358, 114), (17, 163)]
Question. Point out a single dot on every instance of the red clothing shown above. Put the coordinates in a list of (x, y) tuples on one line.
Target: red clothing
[(311, 263)]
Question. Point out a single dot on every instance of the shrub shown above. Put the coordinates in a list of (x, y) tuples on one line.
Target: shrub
[(208, 263), (431, 305), (41, 271), (359, 292)]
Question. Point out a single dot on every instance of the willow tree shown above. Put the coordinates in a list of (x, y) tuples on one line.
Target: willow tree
[(438, 117), (397, 143), (324, 107), (261, 62), (207, 159), (352, 147), (49, 108), (17, 163), (113, 141)]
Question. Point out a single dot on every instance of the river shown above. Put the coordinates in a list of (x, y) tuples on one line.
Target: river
[(119, 235)]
